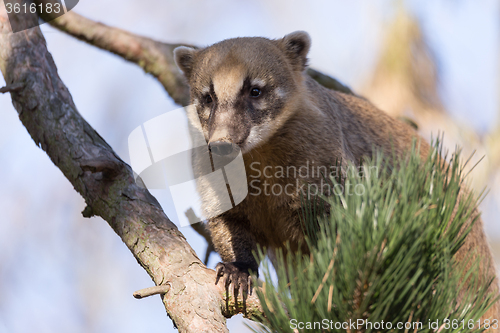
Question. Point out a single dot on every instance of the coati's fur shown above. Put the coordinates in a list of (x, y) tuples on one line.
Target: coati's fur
[(254, 93)]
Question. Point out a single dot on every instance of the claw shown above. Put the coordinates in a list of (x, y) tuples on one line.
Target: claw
[(238, 275), (219, 269)]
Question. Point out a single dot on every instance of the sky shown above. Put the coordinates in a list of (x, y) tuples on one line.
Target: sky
[(60, 272)]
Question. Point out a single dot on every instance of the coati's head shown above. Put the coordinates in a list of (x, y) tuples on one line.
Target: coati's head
[(245, 88)]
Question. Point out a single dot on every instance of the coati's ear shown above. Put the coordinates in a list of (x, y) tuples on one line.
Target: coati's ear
[(296, 46), (184, 58)]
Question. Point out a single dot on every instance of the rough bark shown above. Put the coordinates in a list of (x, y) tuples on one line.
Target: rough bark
[(46, 109)]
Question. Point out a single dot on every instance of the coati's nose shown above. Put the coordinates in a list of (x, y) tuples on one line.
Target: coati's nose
[(221, 148)]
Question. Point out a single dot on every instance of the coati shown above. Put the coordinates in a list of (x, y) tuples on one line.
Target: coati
[(254, 94)]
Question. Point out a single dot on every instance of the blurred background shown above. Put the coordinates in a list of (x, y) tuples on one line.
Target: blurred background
[(435, 62)]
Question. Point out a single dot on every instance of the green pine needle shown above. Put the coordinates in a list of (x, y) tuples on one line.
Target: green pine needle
[(384, 255)]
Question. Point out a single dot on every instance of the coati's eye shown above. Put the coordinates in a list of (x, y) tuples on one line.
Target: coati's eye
[(255, 92), (208, 99)]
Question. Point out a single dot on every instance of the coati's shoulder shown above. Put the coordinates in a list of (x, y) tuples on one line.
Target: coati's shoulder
[(362, 125)]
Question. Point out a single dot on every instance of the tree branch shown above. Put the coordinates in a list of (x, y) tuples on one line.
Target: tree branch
[(153, 56), (329, 82), (46, 109), (11, 87), (146, 292)]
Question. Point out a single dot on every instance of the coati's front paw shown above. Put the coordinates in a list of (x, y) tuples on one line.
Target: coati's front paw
[(236, 273)]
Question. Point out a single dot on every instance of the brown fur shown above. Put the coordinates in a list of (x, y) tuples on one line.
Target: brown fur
[(296, 121)]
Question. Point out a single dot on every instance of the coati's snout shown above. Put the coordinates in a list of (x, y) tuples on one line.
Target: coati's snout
[(222, 148), (244, 89)]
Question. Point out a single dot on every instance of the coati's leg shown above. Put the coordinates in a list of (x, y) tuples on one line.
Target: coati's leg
[(235, 244)]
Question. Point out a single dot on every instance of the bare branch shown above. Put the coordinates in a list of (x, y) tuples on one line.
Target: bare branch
[(154, 57), (11, 87), (156, 290), (329, 82)]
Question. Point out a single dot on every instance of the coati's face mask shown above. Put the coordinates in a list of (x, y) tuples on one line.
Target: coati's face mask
[(244, 89)]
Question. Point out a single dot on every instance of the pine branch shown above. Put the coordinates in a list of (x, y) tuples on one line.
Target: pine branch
[(386, 255)]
